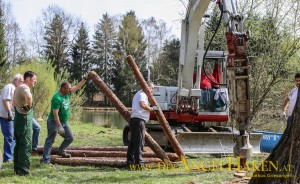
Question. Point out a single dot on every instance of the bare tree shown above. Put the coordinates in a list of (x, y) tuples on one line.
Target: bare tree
[(276, 52), (156, 33), (13, 37), (70, 23)]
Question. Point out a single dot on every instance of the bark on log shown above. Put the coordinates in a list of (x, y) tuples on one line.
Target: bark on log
[(92, 153), (97, 161), (159, 114), (89, 148), (89, 153), (126, 115), (283, 163)]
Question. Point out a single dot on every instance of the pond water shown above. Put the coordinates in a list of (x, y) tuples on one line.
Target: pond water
[(110, 119)]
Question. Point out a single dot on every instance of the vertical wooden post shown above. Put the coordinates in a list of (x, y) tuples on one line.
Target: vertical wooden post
[(160, 116), (159, 152)]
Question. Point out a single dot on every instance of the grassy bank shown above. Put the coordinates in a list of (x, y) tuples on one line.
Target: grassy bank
[(88, 134)]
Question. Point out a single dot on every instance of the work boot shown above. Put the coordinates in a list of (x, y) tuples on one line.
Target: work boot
[(8, 161), (64, 155), (34, 152), (47, 163), (21, 173)]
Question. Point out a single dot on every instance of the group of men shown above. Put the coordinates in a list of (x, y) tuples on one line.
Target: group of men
[(21, 131), (16, 116)]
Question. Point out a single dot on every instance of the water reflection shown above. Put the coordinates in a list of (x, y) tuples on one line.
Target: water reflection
[(107, 118)]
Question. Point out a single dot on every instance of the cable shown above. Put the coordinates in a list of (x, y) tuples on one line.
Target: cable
[(219, 23)]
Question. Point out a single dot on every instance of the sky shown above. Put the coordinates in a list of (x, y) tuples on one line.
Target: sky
[(90, 11)]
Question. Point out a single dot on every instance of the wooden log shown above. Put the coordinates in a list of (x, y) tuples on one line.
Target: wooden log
[(126, 115), (92, 153), (97, 161), (89, 148), (159, 114)]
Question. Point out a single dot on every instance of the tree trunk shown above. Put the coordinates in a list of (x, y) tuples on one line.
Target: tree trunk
[(283, 164), (126, 115)]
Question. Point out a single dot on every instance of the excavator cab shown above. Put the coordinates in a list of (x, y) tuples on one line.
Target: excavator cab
[(214, 101)]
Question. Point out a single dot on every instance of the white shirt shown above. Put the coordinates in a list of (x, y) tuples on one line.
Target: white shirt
[(293, 97), (7, 93), (137, 110)]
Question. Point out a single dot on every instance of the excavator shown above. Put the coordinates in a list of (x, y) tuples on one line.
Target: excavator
[(197, 116)]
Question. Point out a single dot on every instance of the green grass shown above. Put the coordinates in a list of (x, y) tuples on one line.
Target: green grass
[(87, 134)]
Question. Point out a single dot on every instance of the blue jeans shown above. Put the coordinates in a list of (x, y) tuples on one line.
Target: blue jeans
[(52, 132), (7, 128), (35, 134), (207, 98)]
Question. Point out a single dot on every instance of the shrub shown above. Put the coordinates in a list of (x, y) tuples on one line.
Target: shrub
[(44, 88)]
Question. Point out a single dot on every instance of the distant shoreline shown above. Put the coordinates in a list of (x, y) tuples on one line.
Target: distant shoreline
[(101, 108)]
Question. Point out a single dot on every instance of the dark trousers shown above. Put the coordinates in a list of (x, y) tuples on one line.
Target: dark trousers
[(52, 132), (137, 130), (289, 120), (23, 136)]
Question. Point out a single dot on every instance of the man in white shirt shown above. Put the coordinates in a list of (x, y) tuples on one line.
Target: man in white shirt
[(7, 116), (139, 116), (292, 98)]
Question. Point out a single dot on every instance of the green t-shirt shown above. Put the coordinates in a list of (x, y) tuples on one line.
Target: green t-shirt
[(62, 103)]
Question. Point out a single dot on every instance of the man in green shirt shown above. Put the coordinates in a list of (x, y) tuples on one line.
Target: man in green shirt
[(57, 121)]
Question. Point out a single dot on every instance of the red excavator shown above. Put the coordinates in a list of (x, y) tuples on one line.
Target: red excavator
[(198, 115)]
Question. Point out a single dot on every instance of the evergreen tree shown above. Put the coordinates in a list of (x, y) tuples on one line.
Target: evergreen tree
[(165, 69), (132, 42), (55, 49), (81, 54), (104, 48), (219, 42), (82, 60)]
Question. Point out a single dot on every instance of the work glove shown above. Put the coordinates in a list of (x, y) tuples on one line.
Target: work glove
[(86, 76), (10, 115), (284, 114), (155, 108), (61, 131)]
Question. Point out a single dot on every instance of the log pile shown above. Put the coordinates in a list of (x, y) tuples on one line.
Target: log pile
[(114, 156)]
